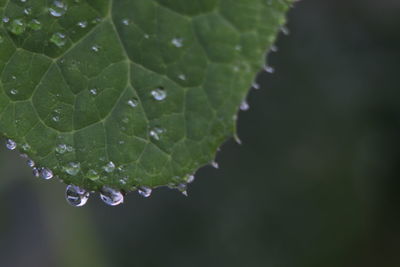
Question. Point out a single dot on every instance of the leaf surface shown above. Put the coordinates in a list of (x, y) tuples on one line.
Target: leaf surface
[(128, 93)]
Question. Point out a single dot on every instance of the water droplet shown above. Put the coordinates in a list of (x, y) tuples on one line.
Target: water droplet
[(285, 30), (159, 94), (56, 118), (133, 103), (82, 24), (14, 91), (59, 39), (190, 179), (6, 19), (215, 164), (30, 163), (144, 191), (95, 48), (26, 147), (238, 48), (62, 148), (177, 42), (274, 48), (125, 22), (76, 196), (36, 172), (93, 91), (146, 36), (256, 86), (244, 105), (10, 144), (156, 133), (58, 8), (110, 167), (46, 173), (182, 77), (111, 196), (269, 69), (72, 168), (17, 26), (92, 175), (35, 25)]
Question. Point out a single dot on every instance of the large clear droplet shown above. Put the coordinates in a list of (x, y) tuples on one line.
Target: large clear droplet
[(76, 196), (46, 173), (144, 191), (111, 196), (10, 144)]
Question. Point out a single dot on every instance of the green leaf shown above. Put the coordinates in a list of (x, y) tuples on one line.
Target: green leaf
[(128, 93)]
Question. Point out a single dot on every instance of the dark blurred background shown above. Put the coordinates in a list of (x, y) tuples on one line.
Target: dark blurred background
[(315, 182)]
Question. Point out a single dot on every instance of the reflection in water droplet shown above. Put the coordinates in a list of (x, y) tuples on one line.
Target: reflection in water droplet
[(93, 91), (182, 77), (285, 30), (14, 91), (274, 48), (125, 22), (6, 19), (144, 191), (62, 148), (110, 167), (10, 144), (95, 48), (26, 147), (159, 94), (72, 168), (244, 105), (76, 196), (215, 164), (111, 196), (46, 173), (190, 179), (256, 86)]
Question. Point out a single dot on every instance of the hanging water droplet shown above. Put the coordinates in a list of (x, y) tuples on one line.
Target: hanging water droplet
[(10, 144), (59, 39), (285, 30), (177, 42), (133, 103), (159, 94), (36, 172), (256, 86), (30, 163), (110, 167), (76, 196), (215, 164), (156, 133), (144, 191), (92, 175), (269, 69), (82, 24), (46, 173), (190, 179), (244, 105), (111, 196), (58, 8), (72, 168)]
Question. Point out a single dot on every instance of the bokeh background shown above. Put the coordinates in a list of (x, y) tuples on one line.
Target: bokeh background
[(315, 182)]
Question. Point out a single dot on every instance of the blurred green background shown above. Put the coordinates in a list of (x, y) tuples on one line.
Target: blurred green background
[(315, 182)]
